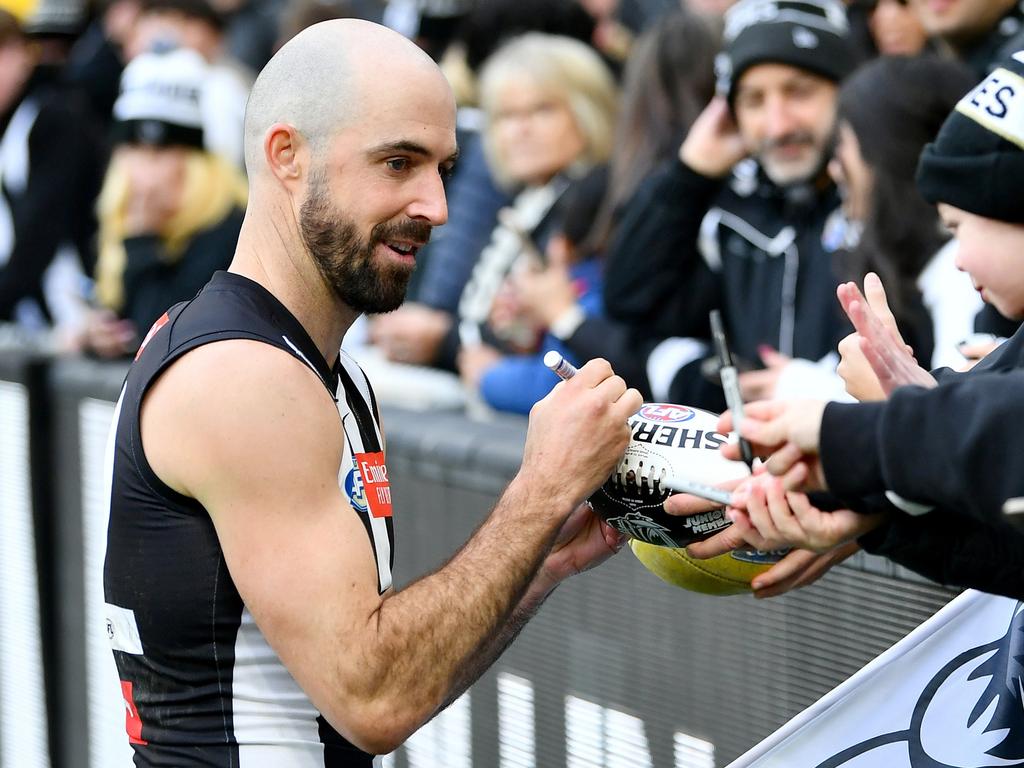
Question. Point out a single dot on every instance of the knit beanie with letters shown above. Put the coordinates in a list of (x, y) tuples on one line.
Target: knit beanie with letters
[(976, 163), (812, 35), (160, 100)]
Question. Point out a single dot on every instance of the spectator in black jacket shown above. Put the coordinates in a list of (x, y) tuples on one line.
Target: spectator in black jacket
[(936, 449), (170, 211), (690, 241), (50, 168), (979, 32)]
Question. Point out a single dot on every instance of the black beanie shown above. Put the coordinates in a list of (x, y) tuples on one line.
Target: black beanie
[(977, 161), (808, 34)]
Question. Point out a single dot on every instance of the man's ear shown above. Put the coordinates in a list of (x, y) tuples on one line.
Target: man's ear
[(286, 153)]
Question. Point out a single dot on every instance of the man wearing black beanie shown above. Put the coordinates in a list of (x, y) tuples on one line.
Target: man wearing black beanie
[(695, 239), (944, 447)]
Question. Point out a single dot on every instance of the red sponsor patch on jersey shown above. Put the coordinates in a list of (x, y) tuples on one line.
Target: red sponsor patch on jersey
[(376, 486), (152, 332), (132, 721)]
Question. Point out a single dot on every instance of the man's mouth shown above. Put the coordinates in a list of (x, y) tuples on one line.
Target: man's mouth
[(403, 248), (790, 149)]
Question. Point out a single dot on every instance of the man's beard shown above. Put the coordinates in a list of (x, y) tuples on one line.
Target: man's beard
[(807, 169), (347, 262)]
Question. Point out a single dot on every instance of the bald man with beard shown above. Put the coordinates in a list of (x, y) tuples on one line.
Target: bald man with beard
[(248, 586)]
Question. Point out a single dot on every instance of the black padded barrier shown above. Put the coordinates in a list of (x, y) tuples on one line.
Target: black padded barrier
[(617, 669)]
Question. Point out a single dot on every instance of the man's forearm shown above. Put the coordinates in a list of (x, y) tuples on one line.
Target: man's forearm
[(492, 648), (434, 637)]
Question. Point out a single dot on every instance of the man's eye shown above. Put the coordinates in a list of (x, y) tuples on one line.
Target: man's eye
[(398, 164)]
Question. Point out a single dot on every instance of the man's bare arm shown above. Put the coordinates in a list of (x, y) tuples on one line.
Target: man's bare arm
[(252, 434)]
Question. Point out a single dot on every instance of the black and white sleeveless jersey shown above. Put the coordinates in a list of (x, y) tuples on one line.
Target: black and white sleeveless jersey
[(201, 685)]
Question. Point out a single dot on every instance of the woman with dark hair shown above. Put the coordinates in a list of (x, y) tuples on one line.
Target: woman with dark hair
[(668, 80), (888, 110)]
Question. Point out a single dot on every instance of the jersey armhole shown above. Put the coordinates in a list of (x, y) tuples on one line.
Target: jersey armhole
[(138, 451)]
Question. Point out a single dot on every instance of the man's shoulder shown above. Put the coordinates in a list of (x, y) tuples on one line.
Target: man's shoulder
[(241, 385)]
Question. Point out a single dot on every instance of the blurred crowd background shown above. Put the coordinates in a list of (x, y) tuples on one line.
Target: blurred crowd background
[(604, 200)]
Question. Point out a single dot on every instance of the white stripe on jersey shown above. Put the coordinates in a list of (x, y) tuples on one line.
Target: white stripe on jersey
[(274, 722), (378, 526), (298, 352), (359, 379)]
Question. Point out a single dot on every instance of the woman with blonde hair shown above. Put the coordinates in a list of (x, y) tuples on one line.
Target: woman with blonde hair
[(169, 210)]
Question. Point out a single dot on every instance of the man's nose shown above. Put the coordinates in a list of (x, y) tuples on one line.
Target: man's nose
[(430, 203), (779, 120)]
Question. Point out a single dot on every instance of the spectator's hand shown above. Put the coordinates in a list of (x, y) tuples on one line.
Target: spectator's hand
[(786, 433), (473, 362), (798, 569), (855, 371), (768, 517), (507, 316), (544, 294), (713, 145), (684, 505), (411, 334), (155, 186), (880, 342), (760, 385), (108, 336), (584, 542), (975, 353), (119, 20)]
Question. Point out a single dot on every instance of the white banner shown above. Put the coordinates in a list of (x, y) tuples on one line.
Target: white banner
[(949, 695)]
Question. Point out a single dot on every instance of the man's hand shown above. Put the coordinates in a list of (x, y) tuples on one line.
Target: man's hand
[(411, 334), (879, 339), (760, 385), (584, 541), (577, 434), (713, 145)]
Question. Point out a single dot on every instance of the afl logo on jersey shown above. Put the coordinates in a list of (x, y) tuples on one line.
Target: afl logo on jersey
[(665, 413), (354, 488)]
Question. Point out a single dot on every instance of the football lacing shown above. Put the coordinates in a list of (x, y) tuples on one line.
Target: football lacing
[(640, 477)]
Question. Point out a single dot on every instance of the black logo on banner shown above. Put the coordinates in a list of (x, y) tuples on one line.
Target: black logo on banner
[(998, 713)]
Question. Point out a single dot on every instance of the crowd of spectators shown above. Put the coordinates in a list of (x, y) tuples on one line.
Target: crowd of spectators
[(123, 178), (625, 167)]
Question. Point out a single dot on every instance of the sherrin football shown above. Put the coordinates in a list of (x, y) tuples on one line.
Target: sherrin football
[(728, 574), (667, 441)]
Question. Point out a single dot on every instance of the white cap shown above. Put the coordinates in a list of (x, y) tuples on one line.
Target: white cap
[(160, 95)]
